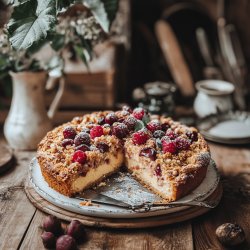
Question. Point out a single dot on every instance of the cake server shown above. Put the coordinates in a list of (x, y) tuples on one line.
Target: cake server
[(91, 195), (99, 198)]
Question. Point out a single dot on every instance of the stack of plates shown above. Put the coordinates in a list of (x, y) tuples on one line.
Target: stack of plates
[(230, 128)]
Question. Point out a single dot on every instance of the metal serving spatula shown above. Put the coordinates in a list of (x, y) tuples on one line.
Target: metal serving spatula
[(99, 198)]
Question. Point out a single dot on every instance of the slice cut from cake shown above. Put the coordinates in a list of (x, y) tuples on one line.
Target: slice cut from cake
[(73, 158)]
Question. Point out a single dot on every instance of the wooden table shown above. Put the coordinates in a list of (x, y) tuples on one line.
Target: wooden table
[(20, 221)]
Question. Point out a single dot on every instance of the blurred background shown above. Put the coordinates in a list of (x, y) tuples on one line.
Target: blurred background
[(175, 42)]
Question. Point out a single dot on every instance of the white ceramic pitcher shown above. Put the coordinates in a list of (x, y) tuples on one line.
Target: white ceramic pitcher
[(213, 96), (28, 121)]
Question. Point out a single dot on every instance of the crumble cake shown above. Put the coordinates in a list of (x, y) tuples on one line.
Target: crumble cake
[(167, 157)]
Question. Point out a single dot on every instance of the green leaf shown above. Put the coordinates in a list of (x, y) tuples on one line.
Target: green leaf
[(139, 125), (64, 4), (80, 53), (30, 22), (3, 62), (111, 7), (57, 42), (103, 10), (88, 46), (145, 119)]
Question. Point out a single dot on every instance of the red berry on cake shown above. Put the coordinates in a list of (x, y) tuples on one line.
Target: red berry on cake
[(120, 130), (158, 171), (149, 153), (69, 132), (130, 122), (171, 134), (138, 113), (154, 125), (182, 143), (169, 146), (79, 156), (96, 131), (111, 118), (67, 142), (140, 137), (82, 138)]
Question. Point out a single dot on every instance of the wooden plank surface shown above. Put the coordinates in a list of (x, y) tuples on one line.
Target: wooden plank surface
[(20, 221)]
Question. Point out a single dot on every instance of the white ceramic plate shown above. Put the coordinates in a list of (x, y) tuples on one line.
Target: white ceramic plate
[(230, 128), (119, 189)]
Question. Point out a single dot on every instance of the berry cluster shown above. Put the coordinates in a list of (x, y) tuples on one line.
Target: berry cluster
[(55, 237), (121, 127), (173, 143), (82, 141)]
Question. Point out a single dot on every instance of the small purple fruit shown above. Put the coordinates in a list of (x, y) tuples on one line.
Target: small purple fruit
[(52, 224), (49, 240), (76, 230), (66, 242), (103, 147), (111, 118), (82, 138)]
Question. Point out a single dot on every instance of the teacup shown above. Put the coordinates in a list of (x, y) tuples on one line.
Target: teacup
[(213, 96)]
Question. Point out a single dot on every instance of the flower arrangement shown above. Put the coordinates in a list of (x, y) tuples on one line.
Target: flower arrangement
[(51, 22)]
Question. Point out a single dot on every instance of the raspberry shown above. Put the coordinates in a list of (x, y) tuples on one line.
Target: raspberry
[(182, 143), (158, 134), (79, 156), (69, 132), (127, 108), (82, 138), (96, 131), (111, 118), (138, 113), (103, 147), (130, 122), (192, 135), (158, 171), (120, 130), (154, 125), (67, 142), (83, 147), (149, 153), (169, 146), (140, 137), (171, 134)]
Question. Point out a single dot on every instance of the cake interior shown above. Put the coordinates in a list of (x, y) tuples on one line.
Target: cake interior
[(95, 175), (145, 175)]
